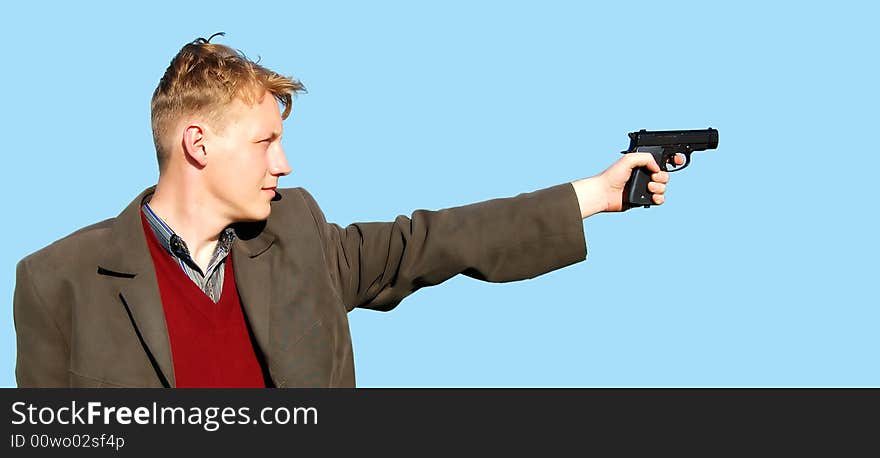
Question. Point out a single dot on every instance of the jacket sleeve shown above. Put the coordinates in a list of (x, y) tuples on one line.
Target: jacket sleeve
[(42, 351), (377, 264)]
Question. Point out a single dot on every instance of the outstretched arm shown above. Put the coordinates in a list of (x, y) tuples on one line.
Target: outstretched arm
[(377, 264)]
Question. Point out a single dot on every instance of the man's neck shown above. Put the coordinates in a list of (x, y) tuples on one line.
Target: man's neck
[(192, 219)]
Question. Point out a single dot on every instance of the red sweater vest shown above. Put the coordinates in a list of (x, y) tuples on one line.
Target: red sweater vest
[(210, 345)]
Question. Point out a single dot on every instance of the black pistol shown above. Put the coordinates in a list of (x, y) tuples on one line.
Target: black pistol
[(664, 145)]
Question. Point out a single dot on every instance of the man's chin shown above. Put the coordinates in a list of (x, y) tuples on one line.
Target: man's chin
[(255, 216), (264, 215)]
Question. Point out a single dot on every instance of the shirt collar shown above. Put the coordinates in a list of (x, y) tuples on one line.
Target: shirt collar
[(175, 245)]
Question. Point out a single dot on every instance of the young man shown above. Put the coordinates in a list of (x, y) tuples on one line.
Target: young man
[(216, 278)]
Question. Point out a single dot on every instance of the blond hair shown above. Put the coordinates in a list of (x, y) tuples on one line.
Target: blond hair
[(205, 78)]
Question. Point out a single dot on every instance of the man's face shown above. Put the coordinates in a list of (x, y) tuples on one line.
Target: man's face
[(246, 159)]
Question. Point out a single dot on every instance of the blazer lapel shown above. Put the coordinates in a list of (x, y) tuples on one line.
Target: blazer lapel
[(128, 266), (253, 277)]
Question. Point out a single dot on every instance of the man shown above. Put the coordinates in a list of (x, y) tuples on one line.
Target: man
[(216, 278)]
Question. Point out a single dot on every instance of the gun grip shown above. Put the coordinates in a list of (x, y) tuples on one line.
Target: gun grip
[(635, 192)]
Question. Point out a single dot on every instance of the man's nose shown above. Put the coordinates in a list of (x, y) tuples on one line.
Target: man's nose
[(278, 163)]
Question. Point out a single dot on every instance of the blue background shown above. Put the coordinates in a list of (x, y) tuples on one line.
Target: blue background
[(756, 272)]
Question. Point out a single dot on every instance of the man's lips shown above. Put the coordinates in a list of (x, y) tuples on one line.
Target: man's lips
[(275, 194)]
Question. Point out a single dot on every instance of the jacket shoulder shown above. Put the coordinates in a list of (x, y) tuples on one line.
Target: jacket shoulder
[(89, 239), (294, 203)]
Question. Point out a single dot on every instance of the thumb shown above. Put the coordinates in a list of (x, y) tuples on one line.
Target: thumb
[(643, 160)]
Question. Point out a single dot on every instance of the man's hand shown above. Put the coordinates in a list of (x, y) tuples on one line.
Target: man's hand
[(604, 192)]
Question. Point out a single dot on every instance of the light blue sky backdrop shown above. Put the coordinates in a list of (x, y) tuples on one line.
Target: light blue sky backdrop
[(757, 271)]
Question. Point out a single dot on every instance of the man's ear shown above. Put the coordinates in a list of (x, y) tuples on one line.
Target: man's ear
[(194, 144)]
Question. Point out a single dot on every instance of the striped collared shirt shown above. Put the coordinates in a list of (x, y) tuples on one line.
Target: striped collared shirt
[(210, 281)]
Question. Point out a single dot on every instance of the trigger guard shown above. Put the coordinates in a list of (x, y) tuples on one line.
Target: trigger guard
[(687, 162)]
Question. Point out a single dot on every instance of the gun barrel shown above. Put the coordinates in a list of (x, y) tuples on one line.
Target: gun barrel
[(699, 139)]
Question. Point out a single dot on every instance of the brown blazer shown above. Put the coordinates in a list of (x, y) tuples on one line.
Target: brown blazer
[(88, 313)]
